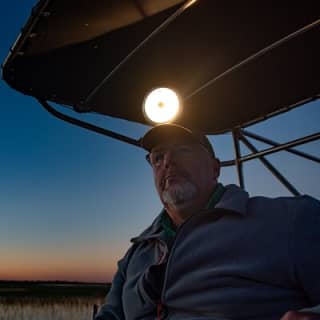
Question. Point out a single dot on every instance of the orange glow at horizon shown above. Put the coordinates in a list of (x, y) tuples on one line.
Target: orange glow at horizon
[(83, 268), (22, 272)]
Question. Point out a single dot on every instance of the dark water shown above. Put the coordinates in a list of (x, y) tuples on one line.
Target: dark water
[(48, 308)]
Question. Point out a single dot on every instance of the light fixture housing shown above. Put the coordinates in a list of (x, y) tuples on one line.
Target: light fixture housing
[(161, 105)]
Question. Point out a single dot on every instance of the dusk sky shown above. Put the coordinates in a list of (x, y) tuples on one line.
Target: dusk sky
[(71, 199)]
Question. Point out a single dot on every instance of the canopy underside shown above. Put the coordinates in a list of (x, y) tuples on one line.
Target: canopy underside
[(69, 47)]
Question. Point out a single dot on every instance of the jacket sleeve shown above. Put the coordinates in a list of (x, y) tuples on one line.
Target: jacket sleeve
[(306, 248), (113, 308)]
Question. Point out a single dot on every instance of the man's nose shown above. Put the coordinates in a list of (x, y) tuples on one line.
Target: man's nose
[(169, 158)]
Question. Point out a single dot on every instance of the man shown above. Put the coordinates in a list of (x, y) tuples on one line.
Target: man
[(213, 252)]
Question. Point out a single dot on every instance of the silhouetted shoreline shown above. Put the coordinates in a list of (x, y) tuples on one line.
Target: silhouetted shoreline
[(53, 288)]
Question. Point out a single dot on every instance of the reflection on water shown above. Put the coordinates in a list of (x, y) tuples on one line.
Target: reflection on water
[(47, 308)]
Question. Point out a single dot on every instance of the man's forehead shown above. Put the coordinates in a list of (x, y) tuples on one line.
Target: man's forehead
[(174, 142)]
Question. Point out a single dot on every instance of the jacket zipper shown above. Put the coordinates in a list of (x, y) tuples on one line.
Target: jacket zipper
[(178, 235), (159, 310)]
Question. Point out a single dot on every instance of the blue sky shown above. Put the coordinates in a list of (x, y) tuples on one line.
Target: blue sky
[(70, 199)]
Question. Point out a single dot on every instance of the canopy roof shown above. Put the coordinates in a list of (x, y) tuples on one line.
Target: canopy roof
[(75, 53)]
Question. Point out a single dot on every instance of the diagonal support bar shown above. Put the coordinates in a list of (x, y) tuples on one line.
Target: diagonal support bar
[(276, 144), (274, 149), (269, 166)]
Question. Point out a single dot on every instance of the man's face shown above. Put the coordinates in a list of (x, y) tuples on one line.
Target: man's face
[(183, 172)]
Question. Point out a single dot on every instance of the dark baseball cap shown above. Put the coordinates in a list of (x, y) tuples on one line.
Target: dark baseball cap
[(167, 132)]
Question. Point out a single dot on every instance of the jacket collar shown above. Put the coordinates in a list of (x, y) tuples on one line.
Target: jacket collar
[(233, 199)]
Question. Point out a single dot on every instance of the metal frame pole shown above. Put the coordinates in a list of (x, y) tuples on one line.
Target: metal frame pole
[(89, 126)]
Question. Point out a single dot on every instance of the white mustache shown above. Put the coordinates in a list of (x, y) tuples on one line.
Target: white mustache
[(173, 174)]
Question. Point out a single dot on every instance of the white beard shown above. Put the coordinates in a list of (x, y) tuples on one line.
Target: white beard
[(179, 195)]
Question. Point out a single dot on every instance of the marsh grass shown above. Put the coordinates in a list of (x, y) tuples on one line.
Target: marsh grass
[(47, 308), (49, 300)]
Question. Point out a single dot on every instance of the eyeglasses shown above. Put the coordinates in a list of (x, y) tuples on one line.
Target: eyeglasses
[(156, 158), (181, 151)]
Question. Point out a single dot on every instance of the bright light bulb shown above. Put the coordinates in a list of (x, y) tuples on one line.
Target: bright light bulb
[(161, 105)]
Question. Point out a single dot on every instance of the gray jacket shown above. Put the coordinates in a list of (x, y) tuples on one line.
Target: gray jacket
[(247, 258)]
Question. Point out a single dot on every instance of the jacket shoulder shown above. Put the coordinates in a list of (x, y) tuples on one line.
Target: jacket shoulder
[(292, 205)]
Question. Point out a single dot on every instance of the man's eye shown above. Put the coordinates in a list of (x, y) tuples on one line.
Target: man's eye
[(158, 157)]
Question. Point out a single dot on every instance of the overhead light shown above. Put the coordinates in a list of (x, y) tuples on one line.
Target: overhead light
[(161, 105)]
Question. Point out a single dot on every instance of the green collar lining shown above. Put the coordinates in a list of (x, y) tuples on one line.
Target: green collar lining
[(216, 196)]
